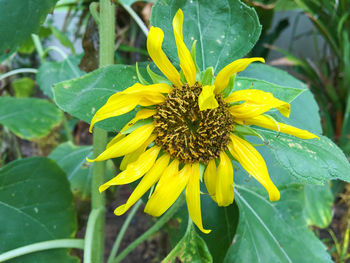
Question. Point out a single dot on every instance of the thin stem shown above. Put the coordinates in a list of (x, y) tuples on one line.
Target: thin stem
[(89, 234), (38, 47), (122, 231), (18, 71), (106, 54), (137, 19), (162, 221), (40, 246)]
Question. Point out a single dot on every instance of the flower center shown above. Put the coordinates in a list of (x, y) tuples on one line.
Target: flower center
[(187, 133)]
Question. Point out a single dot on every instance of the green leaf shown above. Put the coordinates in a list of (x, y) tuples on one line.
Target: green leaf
[(222, 221), (36, 205), (224, 30), (51, 73), (19, 19), (285, 93), (274, 232), (318, 205), (72, 160), (29, 118), (190, 249), (311, 161), (23, 87), (83, 96)]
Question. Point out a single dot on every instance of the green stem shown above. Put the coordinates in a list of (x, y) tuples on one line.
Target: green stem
[(38, 47), (162, 221), (122, 232), (107, 34), (137, 19), (40, 246), (18, 71), (89, 234)]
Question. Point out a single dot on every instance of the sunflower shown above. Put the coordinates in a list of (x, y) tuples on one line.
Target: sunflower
[(186, 129)]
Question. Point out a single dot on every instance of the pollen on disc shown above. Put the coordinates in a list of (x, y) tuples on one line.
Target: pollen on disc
[(187, 133)]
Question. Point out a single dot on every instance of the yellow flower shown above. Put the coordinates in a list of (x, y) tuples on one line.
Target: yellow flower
[(180, 128)]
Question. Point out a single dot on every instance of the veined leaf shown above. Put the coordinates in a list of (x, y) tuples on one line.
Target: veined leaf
[(36, 205), (82, 97), (274, 232), (224, 30)]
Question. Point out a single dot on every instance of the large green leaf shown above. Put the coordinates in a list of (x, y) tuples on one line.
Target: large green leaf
[(311, 161), (318, 205), (72, 160), (224, 30), (190, 249), (274, 232), (36, 205), (29, 117), (51, 73), (20, 18), (83, 96)]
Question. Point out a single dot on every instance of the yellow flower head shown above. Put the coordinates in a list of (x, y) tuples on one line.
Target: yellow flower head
[(185, 126)]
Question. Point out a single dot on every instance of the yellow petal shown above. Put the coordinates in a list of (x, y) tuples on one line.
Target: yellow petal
[(138, 88), (269, 123), (133, 156), (253, 163), (206, 99), (224, 182), (210, 177), (186, 61), (256, 102), (124, 101), (134, 170), (224, 75), (127, 144), (168, 189), (150, 178), (154, 47), (193, 198), (116, 105)]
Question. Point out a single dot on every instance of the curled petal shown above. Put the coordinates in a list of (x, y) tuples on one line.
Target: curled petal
[(150, 178), (210, 178), (168, 189), (256, 102), (134, 170), (224, 75), (193, 198), (154, 47), (127, 144), (253, 163), (224, 183), (186, 61), (269, 123), (125, 101), (206, 99)]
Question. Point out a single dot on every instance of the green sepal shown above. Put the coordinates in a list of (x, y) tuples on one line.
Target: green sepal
[(208, 76), (139, 76), (193, 55), (229, 89), (156, 78), (137, 125)]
